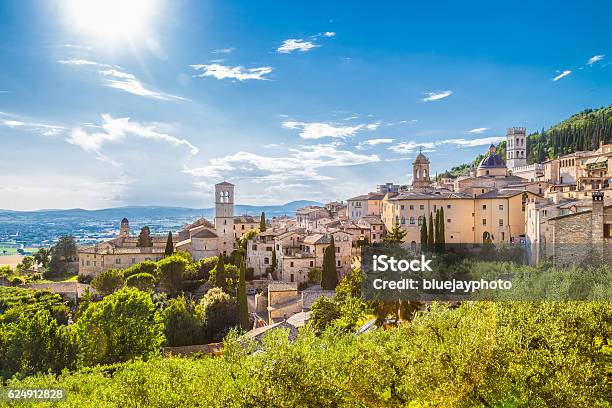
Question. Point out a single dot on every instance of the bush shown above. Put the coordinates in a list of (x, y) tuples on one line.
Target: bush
[(149, 267), (119, 328), (141, 281), (171, 270), (204, 266), (183, 322), (17, 280), (323, 312), (84, 278), (108, 281), (221, 313)]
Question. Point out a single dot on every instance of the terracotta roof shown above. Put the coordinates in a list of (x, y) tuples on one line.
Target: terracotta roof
[(245, 219), (429, 195)]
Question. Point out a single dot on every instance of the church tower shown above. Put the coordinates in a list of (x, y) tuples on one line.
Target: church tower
[(420, 172), (224, 216), (516, 148), (124, 230)]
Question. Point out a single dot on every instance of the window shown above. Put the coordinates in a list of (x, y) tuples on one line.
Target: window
[(133, 260), (87, 263), (401, 207), (422, 207), (421, 220), (484, 221), (311, 264), (118, 261), (448, 206), (403, 220), (501, 222), (292, 276), (501, 207), (503, 236), (607, 230), (435, 207), (94, 263), (338, 250), (448, 220), (242, 226), (411, 207), (267, 261), (338, 263), (411, 220), (484, 206), (269, 249), (254, 247)]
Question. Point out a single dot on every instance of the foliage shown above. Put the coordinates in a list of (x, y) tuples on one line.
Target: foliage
[(205, 265), (221, 313), (424, 233), (274, 264), (141, 281), (119, 328), (241, 295), (329, 275), (350, 285), (396, 234), (35, 343), (17, 302), (323, 312), (183, 322), (149, 267), (431, 232), (171, 270), (262, 222), (144, 238), (27, 262), (108, 281), (218, 276), (42, 257), (169, 245), (314, 275), (63, 252), (510, 354)]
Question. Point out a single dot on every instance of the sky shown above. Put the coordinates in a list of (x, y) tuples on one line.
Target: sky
[(107, 103)]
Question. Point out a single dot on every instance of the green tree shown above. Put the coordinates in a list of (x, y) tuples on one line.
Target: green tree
[(169, 245), (141, 281), (35, 344), (183, 322), (424, 234), (220, 312), (274, 264), (262, 222), (205, 266), (62, 253), (144, 238), (42, 257), (171, 270), (329, 276), (323, 312), (149, 267), (243, 307), (396, 235), (218, 276), (27, 262), (108, 281), (431, 232), (350, 285), (442, 230), (119, 328)]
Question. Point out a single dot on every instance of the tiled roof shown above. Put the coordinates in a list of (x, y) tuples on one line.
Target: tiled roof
[(204, 233), (429, 195), (245, 219)]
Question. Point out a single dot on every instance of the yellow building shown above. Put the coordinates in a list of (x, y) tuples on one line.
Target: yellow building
[(244, 224)]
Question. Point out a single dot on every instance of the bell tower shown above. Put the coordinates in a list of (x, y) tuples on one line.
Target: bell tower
[(124, 230), (420, 172), (516, 147), (224, 216)]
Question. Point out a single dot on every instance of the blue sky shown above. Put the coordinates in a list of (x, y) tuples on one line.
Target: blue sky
[(103, 104)]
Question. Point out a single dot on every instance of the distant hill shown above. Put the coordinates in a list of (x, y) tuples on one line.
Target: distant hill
[(583, 131), (157, 211)]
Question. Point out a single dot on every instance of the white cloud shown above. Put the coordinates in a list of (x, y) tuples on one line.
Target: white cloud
[(17, 122), (475, 142), (113, 77), (595, 58), (228, 50), (373, 142), (434, 96), (301, 164), (561, 75), (409, 147), (225, 72), (128, 83), (116, 130), (329, 34), (291, 45), (317, 130), (478, 130), (12, 123)]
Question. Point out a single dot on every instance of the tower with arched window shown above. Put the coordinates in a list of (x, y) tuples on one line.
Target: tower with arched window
[(516, 148), (224, 216), (420, 172)]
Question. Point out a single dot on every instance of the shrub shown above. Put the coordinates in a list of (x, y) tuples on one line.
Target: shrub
[(108, 281), (171, 270), (149, 267), (204, 266), (17, 280), (183, 322), (221, 313), (141, 281)]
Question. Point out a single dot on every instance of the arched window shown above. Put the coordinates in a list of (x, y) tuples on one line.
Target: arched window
[(403, 220), (411, 220)]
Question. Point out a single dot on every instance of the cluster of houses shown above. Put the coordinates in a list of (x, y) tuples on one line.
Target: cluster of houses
[(560, 201)]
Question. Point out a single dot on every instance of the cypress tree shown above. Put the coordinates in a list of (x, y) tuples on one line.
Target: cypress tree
[(424, 234), (430, 232), (274, 261), (243, 308), (262, 222), (442, 238), (219, 278), (169, 245), (329, 275)]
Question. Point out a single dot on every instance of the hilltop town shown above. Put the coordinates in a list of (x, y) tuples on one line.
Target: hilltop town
[(502, 200)]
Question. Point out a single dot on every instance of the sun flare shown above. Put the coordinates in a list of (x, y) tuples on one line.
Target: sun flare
[(110, 20)]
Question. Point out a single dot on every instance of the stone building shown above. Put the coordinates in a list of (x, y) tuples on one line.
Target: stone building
[(584, 236), (516, 148), (224, 217), (308, 217), (244, 224), (420, 173), (365, 204), (119, 253)]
